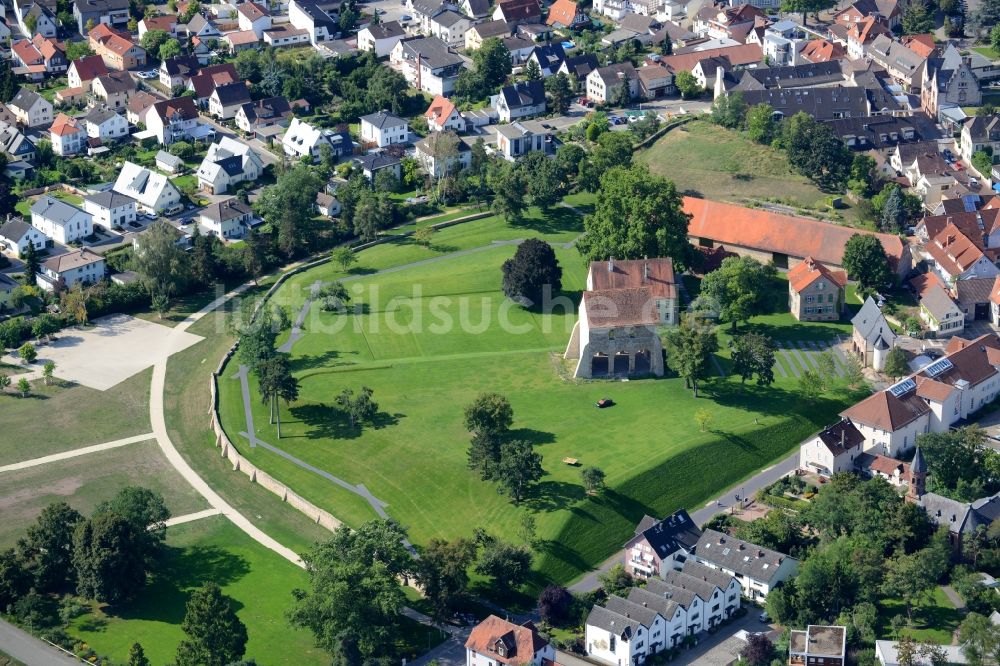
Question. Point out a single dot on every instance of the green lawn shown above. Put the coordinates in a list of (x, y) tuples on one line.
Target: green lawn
[(424, 366), (934, 621), (85, 481), (73, 416), (212, 549), (987, 51), (704, 159)]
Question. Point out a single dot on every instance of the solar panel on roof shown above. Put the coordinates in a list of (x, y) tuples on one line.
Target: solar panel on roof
[(937, 367), (903, 387), (969, 202)]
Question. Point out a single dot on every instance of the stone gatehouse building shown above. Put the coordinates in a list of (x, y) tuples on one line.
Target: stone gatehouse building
[(624, 305)]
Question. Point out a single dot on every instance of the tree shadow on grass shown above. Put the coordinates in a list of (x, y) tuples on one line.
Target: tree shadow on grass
[(361, 270), (555, 220), (553, 495), (559, 550), (328, 422), (536, 437), (442, 248), (314, 361)]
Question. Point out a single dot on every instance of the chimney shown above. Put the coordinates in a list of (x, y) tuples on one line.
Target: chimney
[(843, 437), (645, 272), (611, 264)]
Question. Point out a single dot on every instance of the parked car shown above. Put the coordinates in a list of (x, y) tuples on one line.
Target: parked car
[(405, 17), (150, 216)]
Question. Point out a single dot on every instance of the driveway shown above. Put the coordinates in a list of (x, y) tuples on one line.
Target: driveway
[(31, 651)]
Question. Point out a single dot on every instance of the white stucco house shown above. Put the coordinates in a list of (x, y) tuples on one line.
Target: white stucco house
[(68, 270), (383, 129), (110, 209), (60, 221), (228, 163), (152, 191)]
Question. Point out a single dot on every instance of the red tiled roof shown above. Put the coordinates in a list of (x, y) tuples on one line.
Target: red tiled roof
[(103, 31), (797, 237), (439, 110), (90, 67), (922, 45), (27, 53), (889, 466), (64, 125), (562, 12), (822, 50), (953, 250), (923, 283), (656, 274), (520, 642), (744, 54), (242, 37), (165, 23), (118, 44), (809, 270), (868, 29), (932, 389), (995, 294)]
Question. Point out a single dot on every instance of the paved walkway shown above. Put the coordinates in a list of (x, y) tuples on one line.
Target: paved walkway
[(954, 597), (27, 649), (191, 517), (76, 452)]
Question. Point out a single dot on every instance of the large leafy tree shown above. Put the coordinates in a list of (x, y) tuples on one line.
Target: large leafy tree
[(163, 267), (506, 564), (560, 92), (729, 110), (288, 205), (443, 572), (739, 289), (531, 270), (491, 67), (816, 152), (215, 635), (145, 509), (918, 18), (47, 547), (488, 418), (690, 346), (110, 558), (15, 580), (637, 215), (353, 602), (753, 354), (865, 261), (276, 383), (520, 466), (509, 190)]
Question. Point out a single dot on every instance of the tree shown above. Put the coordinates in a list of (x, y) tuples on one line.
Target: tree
[(288, 206), (637, 215), (806, 6), (344, 257), (373, 212), (979, 638), (895, 363), (15, 581), (46, 549), (995, 38), (23, 387), (508, 565), (137, 656), (910, 578), (4, 382), (532, 72), (145, 510), (983, 161), (169, 49), (704, 419), (47, 371), (532, 274), (488, 418), (811, 385), (358, 409), (758, 650), (8, 82), (689, 347), (729, 110), (509, 190), (560, 93), (554, 604), (918, 19), (257, 335), (215, 635), (616, 581), (27, 353), (443, 572), (204, 265), (354, 599), (912, 205), (866, 262), (348, 17), (816, 152), (519, 467), (687, 85), (862, 179), (161, 264), (77, 50), (423, 235), (30, 259), (276, 383), (153, 39), (753, 354), (739, 289), (31, 23), (109, 558), (492, 63), (593, 479), (893, 213), (253, 254), (906, 651), (74, 303)]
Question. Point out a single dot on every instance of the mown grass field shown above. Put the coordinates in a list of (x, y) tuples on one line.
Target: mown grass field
[(704, 159), (935, 620), (424, 367)]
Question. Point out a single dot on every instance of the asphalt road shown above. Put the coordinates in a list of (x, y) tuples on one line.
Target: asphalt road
[(28, 649)]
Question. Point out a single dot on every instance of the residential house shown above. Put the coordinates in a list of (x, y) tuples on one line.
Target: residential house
[(818, 644), (833, 450), (16, 235), (566, 14), (65, 271), (30, 109), (202, 27), (659, 546), (758, 569), (887, 653), (439, 161), (229, 219), (83, 71), (117, 49), (113, 89), (226, 100), (303, 139), (923, 45), (733, 23), (783, 239), (495, 641), (15, 144), (719, 592), (46, 23), (871, 335), (138, 104), (980, 133), (68, 136), (167, 24), (254, 17), (172, 120), (428, 64), (262, 113), (479, 33), (902, 63), (60, 221), (624, 305), (40, 55), (956, 256), (383, 129), (380, 39), (940, 313), (816, 293), (522, 137), (99, 12), (520, 100), (284, 35), (450, 27), (170, 163), (548, 57), (207, 79), (948, 82), (110, 209), (373, 163), (822, 50), (442, 115), (655, 80), (973, 297), (520, 48), (175, 72), (307, 15), (894, 472), (228, 163), (614, 84), (781, 42), (327, 204), (861, 35), (152, 191), (243, 40), (578, 68), (515, 12), (616, 637), (105, 125), (477, 9), (932, 400)]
